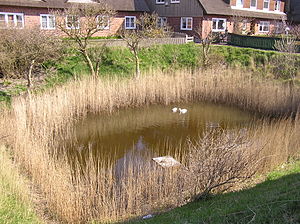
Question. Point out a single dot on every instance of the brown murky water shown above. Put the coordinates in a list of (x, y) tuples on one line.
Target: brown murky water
[(141, 134)]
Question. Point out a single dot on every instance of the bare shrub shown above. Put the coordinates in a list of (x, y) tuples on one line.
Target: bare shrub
[(220, 160), (24, 51)]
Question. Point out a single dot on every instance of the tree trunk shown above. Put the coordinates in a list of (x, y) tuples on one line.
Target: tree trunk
[(29, 75), (90, 64), (137, 65)]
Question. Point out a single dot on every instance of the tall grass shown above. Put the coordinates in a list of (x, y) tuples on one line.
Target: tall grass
[(38, 123)]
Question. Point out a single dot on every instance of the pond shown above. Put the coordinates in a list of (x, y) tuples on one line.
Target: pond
[(140, 134)]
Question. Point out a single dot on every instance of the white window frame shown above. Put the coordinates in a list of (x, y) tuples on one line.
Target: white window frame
[(175, 1), (130, 27), (162, 21), (104, 27), (277, 6), (240, 5), (253, 7), (263, 24), (73, 27), (218, 19), (48, 23), (160, 2), (264, 1), (6, 14), (181, 23)]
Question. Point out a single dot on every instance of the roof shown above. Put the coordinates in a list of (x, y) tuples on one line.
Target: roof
[(294, 10), (222, 7), (119, 5)]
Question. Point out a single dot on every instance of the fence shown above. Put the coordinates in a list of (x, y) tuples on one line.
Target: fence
[(144, 43), (266, 43)]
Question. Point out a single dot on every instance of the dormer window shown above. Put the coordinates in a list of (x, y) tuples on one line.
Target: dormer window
[(266, 4), (277, 5), (240, 3), (253, 4), (160, 1), (175, 1)]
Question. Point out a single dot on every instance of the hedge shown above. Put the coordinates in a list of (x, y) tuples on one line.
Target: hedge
[(266, 43)]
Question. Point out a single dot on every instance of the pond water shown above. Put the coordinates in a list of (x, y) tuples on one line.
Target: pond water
[(143, 133)]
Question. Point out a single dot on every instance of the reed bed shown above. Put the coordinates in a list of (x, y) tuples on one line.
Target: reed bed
[(38, 123)]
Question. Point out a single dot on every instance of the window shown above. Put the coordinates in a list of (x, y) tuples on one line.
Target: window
[(240, 3), (277, 5), (103, 22), (264, 27), (175, 1), (2, 20), (218, 25), (11, 20), (279, 27), (253, 4), (244, 25), (72, 22), (130, 22), (47, 22), (186, 23), (266, 4), (160, 1), (162, 22)]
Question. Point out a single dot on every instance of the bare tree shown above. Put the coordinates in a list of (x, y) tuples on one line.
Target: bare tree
[(295, 31), (146, 28), (206, 43), (286, 65), (80, 22), (22, 51)]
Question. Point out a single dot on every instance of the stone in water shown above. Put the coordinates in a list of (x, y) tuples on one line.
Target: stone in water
[(166, 161)]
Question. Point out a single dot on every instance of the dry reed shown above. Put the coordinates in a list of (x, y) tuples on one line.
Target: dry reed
[(38, 123)]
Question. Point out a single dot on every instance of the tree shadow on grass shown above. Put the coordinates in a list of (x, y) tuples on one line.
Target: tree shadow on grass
[(277, 200), (4, 97)]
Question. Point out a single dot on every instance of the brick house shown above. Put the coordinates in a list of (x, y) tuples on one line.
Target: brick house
[(186, 16), (37, 13), (189, 16)]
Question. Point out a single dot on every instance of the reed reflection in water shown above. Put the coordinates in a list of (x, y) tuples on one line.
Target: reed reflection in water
[(137, 135)]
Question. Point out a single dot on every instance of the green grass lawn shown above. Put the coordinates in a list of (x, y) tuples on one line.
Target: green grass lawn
[(14, 202), (276, 200), (12, 210)]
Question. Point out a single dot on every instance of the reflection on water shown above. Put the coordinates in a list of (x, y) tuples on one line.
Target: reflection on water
[(144, 133)]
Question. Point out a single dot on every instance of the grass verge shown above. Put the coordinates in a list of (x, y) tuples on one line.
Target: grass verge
[(276, 200), (14, 201)]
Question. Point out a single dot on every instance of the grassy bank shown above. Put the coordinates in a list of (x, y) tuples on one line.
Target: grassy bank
[(39, 123), (275, 200), (15, 206), (119, 62)]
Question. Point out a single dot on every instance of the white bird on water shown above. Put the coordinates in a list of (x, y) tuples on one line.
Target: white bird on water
[(182, 111), (174, 109)]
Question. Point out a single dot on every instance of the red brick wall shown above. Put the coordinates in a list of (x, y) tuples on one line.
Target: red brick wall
[(32, 19)]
